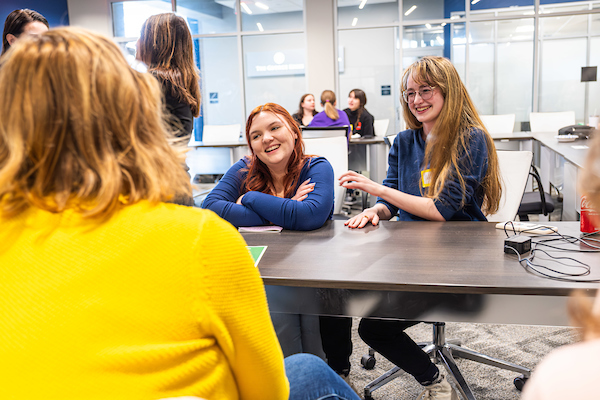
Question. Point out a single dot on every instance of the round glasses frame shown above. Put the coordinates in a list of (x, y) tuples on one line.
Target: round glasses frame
[(425, 93)]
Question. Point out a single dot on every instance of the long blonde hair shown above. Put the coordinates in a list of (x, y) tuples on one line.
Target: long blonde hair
[(327, 101), (452, 130), (80, 129)]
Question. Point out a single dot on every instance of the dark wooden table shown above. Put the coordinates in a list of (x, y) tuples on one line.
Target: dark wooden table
[(451, 271)]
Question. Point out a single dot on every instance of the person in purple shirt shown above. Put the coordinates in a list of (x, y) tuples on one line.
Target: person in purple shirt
[(330, 116), (443, 168)]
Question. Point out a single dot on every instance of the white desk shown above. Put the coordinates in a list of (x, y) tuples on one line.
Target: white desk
[(237, 149), (376, 152), (559, 165)]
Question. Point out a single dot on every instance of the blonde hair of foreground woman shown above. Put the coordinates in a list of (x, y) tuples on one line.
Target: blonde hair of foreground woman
[(584, 311), (81, 128)]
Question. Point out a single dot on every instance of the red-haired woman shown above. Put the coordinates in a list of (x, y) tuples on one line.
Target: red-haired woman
[(277, 184)]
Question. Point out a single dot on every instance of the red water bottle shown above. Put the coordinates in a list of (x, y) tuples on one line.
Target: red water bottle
[(589, 217)]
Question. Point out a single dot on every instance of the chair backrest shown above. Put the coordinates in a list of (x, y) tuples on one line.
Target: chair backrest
[(514, 171), (504, 123), (380, 126), (310, 132), (335, 150), (389, 139), (551, 121), (221, 133)]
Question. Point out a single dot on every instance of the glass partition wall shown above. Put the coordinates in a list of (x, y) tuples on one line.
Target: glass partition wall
[(515, 56)]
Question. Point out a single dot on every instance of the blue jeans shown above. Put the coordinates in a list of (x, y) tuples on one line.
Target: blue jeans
[(312, 379)]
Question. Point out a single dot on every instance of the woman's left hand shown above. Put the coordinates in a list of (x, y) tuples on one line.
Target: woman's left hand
[(354, 180)]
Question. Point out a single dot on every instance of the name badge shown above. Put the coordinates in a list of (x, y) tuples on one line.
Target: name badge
[(425, 178)]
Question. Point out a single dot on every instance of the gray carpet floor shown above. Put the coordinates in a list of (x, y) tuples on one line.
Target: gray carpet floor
[(523, 345)]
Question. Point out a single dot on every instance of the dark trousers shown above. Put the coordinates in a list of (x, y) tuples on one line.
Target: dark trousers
[(336, 337), (388, 338)]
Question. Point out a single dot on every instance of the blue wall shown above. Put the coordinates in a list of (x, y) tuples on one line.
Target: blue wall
[(55, 11)]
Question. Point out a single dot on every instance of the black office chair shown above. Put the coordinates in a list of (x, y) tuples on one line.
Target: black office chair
[(536, 202), (445, 351)]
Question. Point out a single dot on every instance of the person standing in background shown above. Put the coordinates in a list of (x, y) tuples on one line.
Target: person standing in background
[(359, 117), (166, 47), (22, 22), (306, 110)]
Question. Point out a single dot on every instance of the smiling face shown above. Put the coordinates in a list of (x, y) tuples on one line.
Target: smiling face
[(425, 111), (353, 102), (309, 103), (272, 141)]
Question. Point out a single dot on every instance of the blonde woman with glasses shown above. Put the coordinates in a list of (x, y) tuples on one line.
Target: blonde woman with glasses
[(443, 168)]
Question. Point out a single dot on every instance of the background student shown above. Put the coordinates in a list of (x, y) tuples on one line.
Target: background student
[(330, 116), (359, 117), (443, 168), (21, 22), (569, 372), (306, 110), (165, 46)]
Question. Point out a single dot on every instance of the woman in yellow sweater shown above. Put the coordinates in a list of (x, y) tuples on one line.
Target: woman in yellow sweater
[(106, 291)]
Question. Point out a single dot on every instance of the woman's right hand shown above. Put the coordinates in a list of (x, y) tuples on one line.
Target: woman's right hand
[(303, 190), (362, 219)]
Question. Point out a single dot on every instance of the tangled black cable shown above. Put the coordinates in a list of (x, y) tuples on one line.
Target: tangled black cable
[(543, 270)]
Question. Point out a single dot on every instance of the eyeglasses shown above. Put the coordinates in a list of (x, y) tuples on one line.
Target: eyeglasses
[(425, 93)]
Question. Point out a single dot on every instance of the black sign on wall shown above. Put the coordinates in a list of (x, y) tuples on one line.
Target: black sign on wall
[(589, 74)]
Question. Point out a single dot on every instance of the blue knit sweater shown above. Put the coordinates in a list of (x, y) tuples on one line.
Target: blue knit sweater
[(263, 209), (405, 163)]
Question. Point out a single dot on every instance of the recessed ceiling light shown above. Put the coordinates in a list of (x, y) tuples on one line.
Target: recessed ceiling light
[(354, 21), (261, 5), (413, 8), (246, 8), (260, 27), (362, 4), (428, 26), (475, 1)]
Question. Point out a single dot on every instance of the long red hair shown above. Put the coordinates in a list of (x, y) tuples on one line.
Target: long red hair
[(259, 177)]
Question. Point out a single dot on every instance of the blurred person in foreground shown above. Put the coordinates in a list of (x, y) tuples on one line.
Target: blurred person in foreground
[(569, 371), (108, 292)]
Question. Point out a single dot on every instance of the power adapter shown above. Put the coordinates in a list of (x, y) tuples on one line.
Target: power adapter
[(521, 243)]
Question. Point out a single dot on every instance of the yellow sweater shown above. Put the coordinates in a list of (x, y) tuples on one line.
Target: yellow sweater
[(158, 301)]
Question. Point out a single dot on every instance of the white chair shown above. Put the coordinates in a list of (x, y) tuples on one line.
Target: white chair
[(504, 123), (514, 171), (218, 134), (551, 121), (380, 126), (335, 150), (310, 132)]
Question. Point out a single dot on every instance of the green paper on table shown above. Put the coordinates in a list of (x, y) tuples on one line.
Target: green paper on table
[(256, 252)]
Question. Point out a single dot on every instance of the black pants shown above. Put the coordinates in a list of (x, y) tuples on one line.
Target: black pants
[(336, 337), (387, 337)]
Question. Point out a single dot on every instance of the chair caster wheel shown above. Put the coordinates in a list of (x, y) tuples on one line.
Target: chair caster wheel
[(519, 382), (368, 361)]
